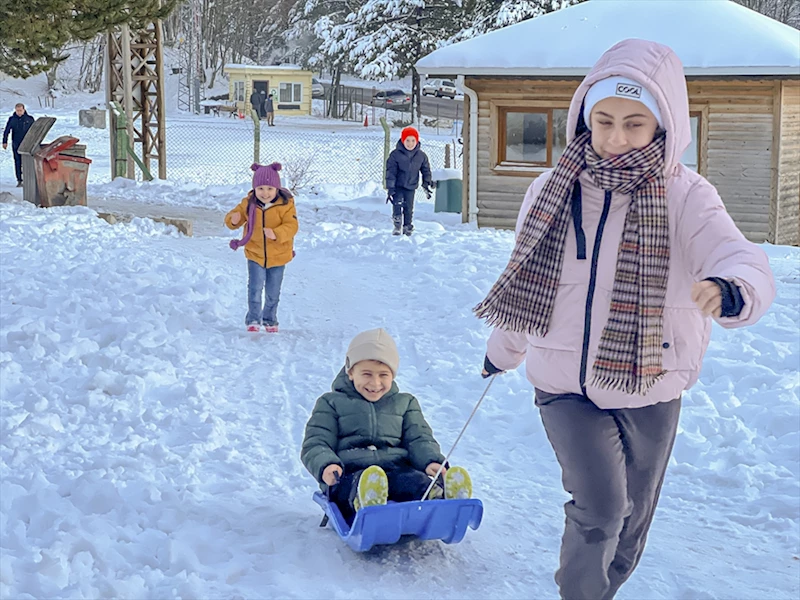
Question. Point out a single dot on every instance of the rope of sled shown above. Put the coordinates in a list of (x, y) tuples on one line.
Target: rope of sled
[(446, 458)]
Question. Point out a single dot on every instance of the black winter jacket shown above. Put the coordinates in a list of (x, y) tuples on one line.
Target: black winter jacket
[(403, 169), (18, 127)]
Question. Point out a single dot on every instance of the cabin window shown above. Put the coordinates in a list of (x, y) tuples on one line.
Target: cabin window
[(532, 137), (291, 92), (691, 156), (238, 91)]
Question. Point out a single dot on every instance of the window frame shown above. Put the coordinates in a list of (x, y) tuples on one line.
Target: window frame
[(701, 112), (498, 116), (239, 94), (291, 85), (503, 112), (497, 148)]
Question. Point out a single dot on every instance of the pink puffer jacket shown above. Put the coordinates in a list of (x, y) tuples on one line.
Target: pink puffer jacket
[(704, 242)]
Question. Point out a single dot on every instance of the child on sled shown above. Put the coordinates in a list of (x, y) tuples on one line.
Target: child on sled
[(368, 442)]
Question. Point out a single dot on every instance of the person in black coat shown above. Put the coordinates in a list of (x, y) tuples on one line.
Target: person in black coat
[(403, 168), (256, 103), (18, 125)]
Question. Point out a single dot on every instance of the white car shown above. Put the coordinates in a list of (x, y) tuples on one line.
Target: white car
[(439, 87), (317, 91)]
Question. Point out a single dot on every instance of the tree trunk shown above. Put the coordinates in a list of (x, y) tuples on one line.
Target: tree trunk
[(415, 94), (415, 91), (333, 107), (51, 77)]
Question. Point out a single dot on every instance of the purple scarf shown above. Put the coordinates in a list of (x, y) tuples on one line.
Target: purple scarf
[(248, 230)]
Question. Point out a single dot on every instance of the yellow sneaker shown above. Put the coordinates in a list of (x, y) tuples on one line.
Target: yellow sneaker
[(373, 488), (457, 484)]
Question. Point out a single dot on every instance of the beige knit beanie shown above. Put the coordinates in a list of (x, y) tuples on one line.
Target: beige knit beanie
[(375, 344)]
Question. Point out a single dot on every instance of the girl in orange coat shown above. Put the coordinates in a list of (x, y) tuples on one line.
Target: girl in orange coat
[(270, 219)]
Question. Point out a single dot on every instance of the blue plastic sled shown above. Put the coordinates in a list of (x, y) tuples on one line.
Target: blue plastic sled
[(445, 520)]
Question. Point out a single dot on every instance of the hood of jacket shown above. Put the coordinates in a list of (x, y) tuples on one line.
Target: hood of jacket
[(659, 70)]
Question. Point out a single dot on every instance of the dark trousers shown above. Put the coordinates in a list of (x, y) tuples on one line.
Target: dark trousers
[(405, 484), (613, 463), (403, 207), (17, 161)]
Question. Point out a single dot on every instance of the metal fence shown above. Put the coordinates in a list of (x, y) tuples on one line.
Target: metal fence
[(210, 150), (356, 104)]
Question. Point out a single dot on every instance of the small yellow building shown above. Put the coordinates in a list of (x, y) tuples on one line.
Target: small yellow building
[(743, 77), (289, 85)]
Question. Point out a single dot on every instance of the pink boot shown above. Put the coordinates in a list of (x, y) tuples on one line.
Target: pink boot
[(253, 328)]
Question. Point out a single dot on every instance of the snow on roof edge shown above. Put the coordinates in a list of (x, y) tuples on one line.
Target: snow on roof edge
[(788, 72)]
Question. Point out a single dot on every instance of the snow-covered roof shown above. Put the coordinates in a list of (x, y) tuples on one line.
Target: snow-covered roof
[(262, 68), (711, 37)]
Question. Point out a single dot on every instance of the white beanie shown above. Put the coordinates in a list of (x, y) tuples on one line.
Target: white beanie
[(619, 87), (375, 344)]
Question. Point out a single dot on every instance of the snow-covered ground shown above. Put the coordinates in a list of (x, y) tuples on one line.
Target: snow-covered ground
[(150, 447)]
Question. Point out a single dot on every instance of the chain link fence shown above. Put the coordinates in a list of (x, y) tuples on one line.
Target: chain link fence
[(219, 150)]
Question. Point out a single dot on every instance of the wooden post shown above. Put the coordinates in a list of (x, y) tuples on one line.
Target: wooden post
[(119, 150), (386, 146), (127, 83), (256, 136), (160, 103)]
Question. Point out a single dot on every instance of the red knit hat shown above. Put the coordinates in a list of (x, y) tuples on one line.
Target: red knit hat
[(409, 132)]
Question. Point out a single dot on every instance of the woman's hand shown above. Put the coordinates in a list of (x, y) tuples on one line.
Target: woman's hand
[(235, 218), (489, 368), (708, 298), (433, 468), (331, 474), (270, 234)]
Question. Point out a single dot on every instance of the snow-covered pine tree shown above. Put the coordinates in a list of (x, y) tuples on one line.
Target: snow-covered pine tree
[(482, 16), (387, 37), (34, 32), (325, 24)]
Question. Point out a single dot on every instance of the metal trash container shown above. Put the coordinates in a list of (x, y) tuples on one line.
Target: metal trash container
[(449, 189), (60, 177)]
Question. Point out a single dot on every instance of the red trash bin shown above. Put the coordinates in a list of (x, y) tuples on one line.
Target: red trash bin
[(61, 178)]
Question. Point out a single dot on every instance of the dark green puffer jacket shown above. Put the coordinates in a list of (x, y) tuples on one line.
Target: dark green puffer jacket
[(343, 425)]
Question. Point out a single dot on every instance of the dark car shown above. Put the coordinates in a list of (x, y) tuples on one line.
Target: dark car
[(394, 99)]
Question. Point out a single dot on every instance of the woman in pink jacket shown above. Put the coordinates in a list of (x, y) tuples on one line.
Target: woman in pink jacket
[(622, 258)]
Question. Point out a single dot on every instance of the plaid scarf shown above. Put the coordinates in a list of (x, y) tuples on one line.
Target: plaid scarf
[(521, 300)]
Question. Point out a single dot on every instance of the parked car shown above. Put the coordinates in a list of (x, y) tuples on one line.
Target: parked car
[(394, 99), (317, 91), (439, 87)]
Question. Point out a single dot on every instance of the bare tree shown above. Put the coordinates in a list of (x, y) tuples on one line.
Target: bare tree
[(785, 11)]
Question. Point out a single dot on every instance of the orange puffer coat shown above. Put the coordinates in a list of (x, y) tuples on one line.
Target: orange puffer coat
[(281, 217)]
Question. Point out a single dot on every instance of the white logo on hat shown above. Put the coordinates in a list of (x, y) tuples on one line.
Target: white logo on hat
[(629, 91)]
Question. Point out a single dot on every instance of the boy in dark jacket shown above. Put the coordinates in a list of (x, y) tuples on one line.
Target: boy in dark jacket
[(368, 442), (18, 125), (403, 168)]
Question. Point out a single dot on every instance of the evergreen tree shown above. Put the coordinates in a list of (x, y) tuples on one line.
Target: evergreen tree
[(33, 32), (483, 16)]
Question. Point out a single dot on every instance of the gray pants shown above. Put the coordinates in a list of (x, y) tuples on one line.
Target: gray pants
[(613, 463)]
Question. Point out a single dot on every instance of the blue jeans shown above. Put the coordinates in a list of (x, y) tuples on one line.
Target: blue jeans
[(267, 280)]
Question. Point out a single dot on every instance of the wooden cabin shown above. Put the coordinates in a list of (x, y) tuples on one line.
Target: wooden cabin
[(743, 76), (289, 85)]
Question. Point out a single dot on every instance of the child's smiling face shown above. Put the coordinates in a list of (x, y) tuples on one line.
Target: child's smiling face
[(410, 143), (266, 193), (371, 378)]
